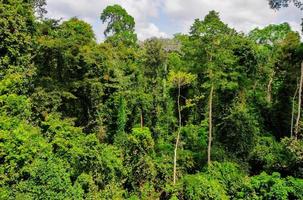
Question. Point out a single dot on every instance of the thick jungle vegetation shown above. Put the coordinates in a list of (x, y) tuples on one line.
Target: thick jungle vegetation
[(212, 114)]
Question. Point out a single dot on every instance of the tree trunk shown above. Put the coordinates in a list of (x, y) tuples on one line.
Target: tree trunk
[(269, 86), (164, 80), (178, 135), (141, 119), (299, 103), (210, 124), (293, 113)]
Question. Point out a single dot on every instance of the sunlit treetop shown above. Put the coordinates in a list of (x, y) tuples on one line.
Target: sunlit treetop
[(120, 25), (271, 34), (118, 20), (78, 30), (211, 24)]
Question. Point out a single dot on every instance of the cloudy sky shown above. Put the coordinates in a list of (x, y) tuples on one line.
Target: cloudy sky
[(163, 18)]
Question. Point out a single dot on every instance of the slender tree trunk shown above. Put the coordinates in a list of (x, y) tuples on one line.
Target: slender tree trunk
[(299, 103), (255, 85), (210, 124), (293, 113), (269, 86), (141, 119), (178, 135), (164, 80)]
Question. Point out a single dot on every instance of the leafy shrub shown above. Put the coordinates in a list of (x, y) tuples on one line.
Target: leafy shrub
[(238, 131), (47, 179), (200, 186), (229, 176), (265, 186), (265, 155), (293, 156)]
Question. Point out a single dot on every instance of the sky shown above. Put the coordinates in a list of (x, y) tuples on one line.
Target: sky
[(164, 18)]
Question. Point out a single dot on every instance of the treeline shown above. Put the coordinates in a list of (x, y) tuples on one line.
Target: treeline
[(213, 114)]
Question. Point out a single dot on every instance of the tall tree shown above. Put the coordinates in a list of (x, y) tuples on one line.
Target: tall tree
[(154, 74), (179, 79), (270, 37), (18, 30), (299, 103), (120, 27), (69, 60), (277, 4), (213, 60)]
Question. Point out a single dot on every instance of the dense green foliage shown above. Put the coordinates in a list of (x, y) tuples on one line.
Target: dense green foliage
[(123, 119)]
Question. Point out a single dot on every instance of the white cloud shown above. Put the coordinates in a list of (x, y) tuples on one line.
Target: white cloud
[(149, 31), (90, 11), (176, 15), (240, 14)]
